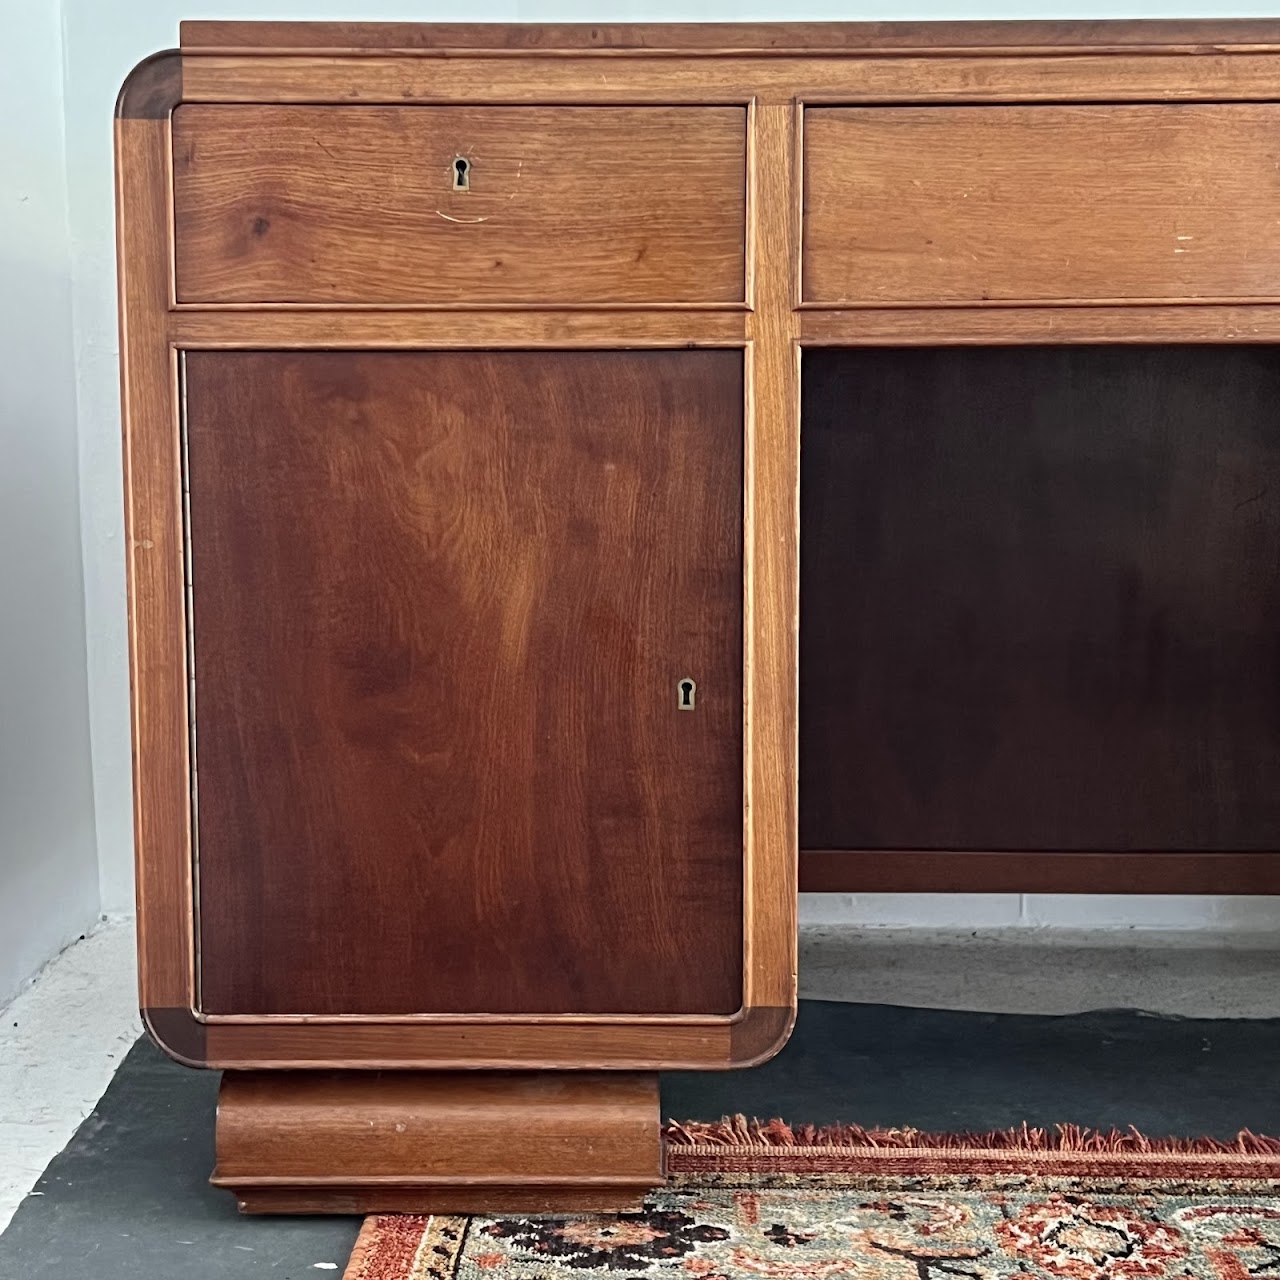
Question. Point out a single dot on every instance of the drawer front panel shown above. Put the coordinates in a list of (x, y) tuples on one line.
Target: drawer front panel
[(975, 204), (278, 204), (443, 603)]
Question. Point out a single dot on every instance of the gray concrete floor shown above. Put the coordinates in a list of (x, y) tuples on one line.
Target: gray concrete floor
[(60, 1042), (1193, 974)]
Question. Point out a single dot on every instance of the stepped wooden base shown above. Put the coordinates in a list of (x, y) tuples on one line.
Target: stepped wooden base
[(437, 1142)]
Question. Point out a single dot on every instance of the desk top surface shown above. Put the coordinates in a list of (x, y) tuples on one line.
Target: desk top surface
[(1206, 35)]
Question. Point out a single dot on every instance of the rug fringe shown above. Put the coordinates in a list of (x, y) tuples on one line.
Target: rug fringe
[(738, 1131)]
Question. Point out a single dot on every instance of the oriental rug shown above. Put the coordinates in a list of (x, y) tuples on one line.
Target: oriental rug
[(765, 1201)]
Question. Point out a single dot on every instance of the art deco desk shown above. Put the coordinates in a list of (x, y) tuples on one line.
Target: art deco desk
[(571, 469)]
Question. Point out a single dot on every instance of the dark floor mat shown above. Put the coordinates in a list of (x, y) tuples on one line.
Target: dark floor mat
[(944, 1070)]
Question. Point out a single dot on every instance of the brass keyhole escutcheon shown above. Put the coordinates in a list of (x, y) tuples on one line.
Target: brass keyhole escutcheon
[(462, 174), (686, 694)]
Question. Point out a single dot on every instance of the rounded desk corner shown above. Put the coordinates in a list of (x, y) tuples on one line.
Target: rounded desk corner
[(177, 1033), (153, 88), (761, 1032)]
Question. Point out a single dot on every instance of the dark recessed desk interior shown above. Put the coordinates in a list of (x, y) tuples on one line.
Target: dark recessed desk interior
[(1040, 618)]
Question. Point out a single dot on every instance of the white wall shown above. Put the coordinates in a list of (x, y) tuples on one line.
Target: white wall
[(104, 39), (48, 867)]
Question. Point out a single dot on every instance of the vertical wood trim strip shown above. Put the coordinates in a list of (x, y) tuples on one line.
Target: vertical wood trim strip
[(154, 561), (773, 479), (797, 214), (749, 200)]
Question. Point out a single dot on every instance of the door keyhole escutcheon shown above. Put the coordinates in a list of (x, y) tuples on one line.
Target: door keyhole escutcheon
[(686, 693), (462, 174)]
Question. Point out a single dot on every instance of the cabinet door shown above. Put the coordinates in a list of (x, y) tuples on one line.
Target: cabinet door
[(444, 607)]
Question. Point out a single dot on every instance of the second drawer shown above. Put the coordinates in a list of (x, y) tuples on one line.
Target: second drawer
[(921, 206)]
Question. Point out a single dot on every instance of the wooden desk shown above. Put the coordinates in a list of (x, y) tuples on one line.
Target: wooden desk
[(496, 646)]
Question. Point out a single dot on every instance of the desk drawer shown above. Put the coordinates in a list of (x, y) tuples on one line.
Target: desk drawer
[(359, 204), (970, 204)]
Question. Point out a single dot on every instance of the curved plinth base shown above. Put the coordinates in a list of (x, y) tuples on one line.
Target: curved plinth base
[(437, 1142)]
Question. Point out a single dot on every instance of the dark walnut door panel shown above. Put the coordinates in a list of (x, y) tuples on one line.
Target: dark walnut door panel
[(1040, 606), (442, 607)]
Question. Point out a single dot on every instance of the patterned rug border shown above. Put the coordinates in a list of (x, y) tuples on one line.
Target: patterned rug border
[(394, 1246), (429, 1247), (739, 1153)]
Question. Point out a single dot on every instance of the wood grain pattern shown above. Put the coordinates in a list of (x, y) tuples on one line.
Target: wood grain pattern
[(1019, 76), (355, 1199), (418, 1142), (152, 89), (928, 205), (441, 606), (154, 568), (491, 1043), (1059, 325), (382, 330), (1022, 871), (356, 204), (773, 479), (1040, 600), (524, 1042), (760, 38), (555, 69)]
